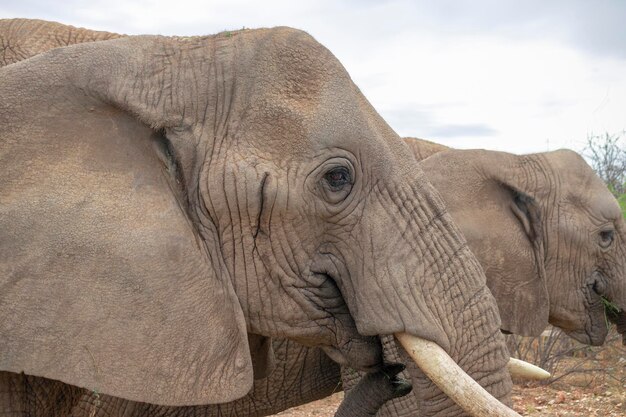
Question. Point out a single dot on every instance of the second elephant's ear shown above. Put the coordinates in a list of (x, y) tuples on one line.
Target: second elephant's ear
[(527, 212), (527, 311), (501, 221), (107, 282)]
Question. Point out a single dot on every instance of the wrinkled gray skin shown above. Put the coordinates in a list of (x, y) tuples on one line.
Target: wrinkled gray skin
[(22, 38), (374, 390), (34, 396), (538, 224), (166, 198)]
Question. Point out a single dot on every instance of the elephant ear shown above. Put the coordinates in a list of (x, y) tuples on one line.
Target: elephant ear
[(105, 280), (523, 299), (501, 221)]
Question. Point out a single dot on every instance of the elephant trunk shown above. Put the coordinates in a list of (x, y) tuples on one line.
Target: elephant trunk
[(432, 288)]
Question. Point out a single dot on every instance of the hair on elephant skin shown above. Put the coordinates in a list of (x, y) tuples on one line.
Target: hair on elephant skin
[(165, 198), (422, 148)]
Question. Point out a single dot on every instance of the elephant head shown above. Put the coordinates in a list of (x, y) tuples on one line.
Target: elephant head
[(162, 198), (548, 233)]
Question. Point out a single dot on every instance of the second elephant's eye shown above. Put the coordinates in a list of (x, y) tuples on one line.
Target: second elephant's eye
[(606, 238), (338, 178)]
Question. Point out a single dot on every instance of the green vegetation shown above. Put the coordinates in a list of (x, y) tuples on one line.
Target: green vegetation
[(607, 154), (610, 309), (609, 306), (622, 203)]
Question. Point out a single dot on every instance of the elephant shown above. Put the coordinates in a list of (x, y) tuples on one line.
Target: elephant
[(424, 149), (565, 198), (546, 230), (248, 169)]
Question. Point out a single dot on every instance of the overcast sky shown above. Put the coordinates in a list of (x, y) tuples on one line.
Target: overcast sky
[(520, 76)]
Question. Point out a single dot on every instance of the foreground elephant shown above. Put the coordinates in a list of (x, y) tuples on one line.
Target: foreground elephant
[(165, 198)]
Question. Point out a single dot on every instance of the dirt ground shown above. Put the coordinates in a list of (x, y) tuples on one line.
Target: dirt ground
[(598, 389)]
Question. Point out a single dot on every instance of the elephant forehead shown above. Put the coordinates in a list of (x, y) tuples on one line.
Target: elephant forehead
[(590, 194), (295, 65), (273, 126), (605, 205)]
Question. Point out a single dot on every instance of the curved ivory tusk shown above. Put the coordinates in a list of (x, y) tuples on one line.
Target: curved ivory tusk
[(451, 379), (521, 369)]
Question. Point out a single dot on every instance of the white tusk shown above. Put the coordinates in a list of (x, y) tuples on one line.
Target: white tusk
[(451, 379), (521, 369)]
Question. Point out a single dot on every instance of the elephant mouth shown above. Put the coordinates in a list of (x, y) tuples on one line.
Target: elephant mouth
[(592, 326), (440, 368), (350, 348)]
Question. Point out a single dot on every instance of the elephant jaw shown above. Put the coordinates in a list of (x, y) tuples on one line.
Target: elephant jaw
[(454, 382)]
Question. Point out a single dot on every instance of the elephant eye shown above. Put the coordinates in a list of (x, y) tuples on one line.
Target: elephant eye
[(336, 183), (606, 238), (337, 178)]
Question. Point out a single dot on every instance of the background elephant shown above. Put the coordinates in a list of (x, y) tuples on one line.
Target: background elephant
[(547, 231), (241, 187)]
